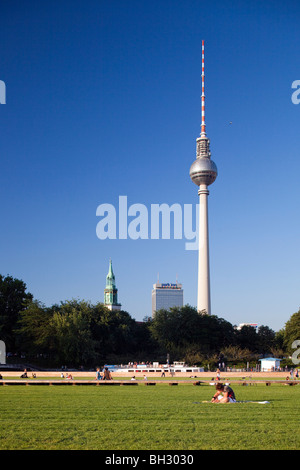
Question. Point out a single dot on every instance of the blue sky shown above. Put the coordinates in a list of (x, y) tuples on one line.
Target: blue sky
[(103, 100)]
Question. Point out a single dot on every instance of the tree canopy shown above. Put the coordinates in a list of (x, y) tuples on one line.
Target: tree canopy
[(13, 298), (183, 328), (292, 331), (79, 333)]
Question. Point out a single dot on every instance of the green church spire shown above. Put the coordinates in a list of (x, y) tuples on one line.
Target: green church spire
[(110, 278), (111, 291)]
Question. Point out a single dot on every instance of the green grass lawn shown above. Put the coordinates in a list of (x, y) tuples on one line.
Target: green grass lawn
[(160, 417)]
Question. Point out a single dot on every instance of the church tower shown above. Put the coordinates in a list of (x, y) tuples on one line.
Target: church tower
[(110, 291)]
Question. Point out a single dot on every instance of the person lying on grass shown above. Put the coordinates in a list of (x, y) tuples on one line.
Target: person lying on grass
[(224, 394)]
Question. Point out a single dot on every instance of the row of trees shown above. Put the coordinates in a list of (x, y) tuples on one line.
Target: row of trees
[(77, 333)]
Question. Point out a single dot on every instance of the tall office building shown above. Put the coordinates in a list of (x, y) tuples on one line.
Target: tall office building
[(203, 172), (166, 296), (111, 291)]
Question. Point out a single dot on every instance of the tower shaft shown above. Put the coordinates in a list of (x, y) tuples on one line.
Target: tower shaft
[(203, 299)]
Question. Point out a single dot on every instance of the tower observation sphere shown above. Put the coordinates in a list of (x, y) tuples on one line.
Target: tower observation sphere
[(203, 172)]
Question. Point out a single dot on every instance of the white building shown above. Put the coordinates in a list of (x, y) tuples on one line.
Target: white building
[(166, 296), (269, 364), (254, 325)]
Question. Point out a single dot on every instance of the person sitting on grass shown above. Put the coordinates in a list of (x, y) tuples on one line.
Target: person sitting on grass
[(106, 374), (224, 394), (24, 375)]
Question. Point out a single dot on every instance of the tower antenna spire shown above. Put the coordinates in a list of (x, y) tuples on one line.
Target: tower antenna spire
[(203, 126)]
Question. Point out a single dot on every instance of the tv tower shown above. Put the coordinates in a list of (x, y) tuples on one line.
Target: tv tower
[(203, 172)]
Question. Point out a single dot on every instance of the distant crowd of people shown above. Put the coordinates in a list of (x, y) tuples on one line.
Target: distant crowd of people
[(25, 375), (294, 375), (106, 375)]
